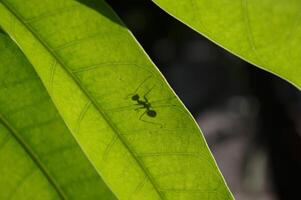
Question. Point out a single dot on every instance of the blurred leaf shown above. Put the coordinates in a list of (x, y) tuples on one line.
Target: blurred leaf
[(39, 157), (96, 74), (265, 33)]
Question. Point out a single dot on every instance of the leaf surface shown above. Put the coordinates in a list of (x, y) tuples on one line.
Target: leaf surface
[(265, 33), (127, 120), (39, 157)]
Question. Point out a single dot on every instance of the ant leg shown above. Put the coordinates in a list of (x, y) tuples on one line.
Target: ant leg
[(141, 118), (122, 108), (168, 105), (139, 108), (142, 115), (162, 100)]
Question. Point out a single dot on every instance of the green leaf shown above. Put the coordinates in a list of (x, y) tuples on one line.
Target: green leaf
[(39, 157), (96, 74), (263, 32)]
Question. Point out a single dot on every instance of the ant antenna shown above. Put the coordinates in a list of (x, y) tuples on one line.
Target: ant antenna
[(139, 86), (148, 91)]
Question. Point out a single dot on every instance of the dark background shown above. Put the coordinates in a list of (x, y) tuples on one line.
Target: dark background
[(250, 118)]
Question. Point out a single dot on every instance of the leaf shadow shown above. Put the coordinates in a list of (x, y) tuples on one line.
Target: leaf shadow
[(103, 8), (2, 31)]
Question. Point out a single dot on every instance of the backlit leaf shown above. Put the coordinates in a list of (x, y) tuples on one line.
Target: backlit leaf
[(265, 33), (38, 155), (127, 120)]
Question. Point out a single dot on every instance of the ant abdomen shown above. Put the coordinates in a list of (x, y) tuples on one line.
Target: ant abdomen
[(151, 113)]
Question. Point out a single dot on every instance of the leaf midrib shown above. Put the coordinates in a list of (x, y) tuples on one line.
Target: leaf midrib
[(33, 156), (95, 104)]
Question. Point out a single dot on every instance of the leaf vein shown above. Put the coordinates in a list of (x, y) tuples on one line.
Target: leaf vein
[(96, 105), (33, 156), (250, 37)]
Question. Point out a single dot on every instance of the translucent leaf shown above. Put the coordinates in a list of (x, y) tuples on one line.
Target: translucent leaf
[(265, 33), (39, 157), (127, 120)]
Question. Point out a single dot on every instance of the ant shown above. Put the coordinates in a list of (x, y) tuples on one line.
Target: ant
[(144, 103)]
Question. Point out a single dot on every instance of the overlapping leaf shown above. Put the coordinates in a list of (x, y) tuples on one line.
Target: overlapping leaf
[(265, 33), (39, 157)]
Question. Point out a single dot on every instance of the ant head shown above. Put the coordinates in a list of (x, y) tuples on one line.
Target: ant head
[(151, 113), (135, 97)]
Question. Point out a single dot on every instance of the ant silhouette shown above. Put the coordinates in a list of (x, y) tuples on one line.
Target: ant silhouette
[(144, 103)]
